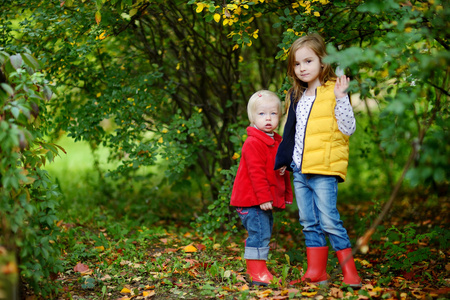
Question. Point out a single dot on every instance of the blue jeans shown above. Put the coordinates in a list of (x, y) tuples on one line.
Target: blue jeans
[(259, 224), (316, 197)]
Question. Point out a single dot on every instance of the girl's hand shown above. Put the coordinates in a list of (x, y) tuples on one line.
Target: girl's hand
[(266, 206), (282, 170), (340, 89)]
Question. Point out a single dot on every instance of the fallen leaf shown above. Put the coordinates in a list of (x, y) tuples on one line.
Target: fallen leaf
[(106, 277), (337, 293), (190, 248), (308, 294), (125, 262), (201, 247), (125, 291), (264, 294), (148, 294), (82, 268)]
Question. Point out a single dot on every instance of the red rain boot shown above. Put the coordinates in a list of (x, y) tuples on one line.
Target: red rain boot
[(347, 263), (257, 270), (317, 266)]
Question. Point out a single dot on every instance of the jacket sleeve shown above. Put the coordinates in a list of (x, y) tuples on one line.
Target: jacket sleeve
[(256, 157), (286, 147)]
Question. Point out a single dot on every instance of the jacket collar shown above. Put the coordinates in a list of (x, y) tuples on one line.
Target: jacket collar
[(252, 131)]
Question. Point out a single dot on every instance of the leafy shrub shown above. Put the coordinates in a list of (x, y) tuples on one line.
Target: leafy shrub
[(28, 198), (398, 253)]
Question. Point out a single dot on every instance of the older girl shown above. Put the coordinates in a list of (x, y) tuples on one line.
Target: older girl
[(315, 148)]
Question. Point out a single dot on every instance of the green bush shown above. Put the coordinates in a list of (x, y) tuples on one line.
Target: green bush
[(28, 197)]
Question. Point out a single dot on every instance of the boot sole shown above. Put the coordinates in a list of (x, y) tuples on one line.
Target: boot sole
[(259, 283)]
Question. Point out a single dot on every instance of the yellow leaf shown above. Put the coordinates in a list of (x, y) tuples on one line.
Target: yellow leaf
[(235, 156), (148, 294), (133, 12), (309, 294), (100, 248), (160, 140), (125, 291), (200, 7), (317, 14), (102, 36), (190, 248), (264, 294), (217, 18)]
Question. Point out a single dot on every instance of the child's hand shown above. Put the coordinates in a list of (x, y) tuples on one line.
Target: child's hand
[(266, 206), (340, 89), (282, 170)]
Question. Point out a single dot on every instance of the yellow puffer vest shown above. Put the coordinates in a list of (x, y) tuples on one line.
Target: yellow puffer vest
[(326, 148)]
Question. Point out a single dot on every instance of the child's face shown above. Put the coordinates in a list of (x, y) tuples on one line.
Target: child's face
[(307, 66), (266, 115)]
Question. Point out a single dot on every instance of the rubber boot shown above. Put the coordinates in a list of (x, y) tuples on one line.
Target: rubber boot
[(317, 266), (258, 273), (347, 263)]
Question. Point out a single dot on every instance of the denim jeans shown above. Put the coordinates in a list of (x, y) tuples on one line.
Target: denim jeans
[(316, 197), (259, 224)]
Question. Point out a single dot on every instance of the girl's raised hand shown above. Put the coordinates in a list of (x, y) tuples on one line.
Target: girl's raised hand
[(342, 84)]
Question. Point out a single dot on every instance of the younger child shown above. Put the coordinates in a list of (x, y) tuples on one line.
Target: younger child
[(315, 148), (258, 188)]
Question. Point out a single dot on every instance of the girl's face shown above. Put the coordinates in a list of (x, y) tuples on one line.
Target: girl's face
[(266, 115), (307, 66)]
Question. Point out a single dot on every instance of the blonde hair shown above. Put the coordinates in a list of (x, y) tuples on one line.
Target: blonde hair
[(258, 97), (314, 42)]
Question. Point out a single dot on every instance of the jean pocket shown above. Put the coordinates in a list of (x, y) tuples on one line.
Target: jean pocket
[(242, 212)]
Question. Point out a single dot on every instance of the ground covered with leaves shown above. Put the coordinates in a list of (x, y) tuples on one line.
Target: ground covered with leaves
[(105, 259)]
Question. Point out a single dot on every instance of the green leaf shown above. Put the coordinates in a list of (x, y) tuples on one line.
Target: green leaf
[(30, 61), (7, 88), (15, 112), (16, 61)]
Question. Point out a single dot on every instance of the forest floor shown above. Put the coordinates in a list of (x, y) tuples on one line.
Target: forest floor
[(407, 259)]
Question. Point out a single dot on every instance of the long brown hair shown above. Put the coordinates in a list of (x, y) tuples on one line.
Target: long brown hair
[(315, 42)]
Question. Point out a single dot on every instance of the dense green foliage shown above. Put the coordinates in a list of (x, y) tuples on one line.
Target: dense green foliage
[(28, 198), (164, 84)]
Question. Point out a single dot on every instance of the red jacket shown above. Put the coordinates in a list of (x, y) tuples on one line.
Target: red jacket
[(256, 181)]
